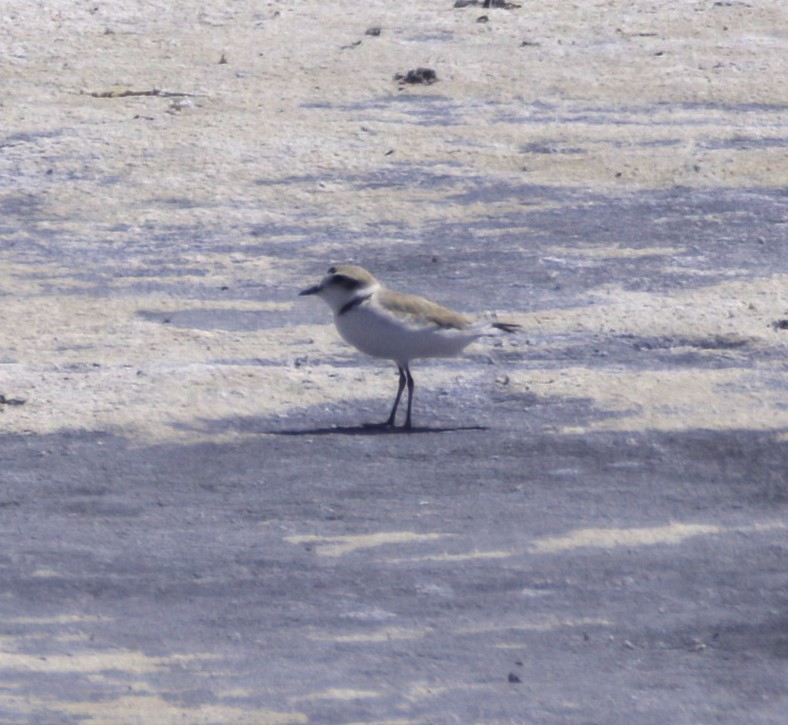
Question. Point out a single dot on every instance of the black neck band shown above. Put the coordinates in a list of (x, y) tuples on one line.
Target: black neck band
[(355, 302)]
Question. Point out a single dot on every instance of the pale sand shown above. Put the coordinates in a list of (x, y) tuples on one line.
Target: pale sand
[(608, 98)]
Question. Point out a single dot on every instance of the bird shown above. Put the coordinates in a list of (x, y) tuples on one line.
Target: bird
[(401, 327)]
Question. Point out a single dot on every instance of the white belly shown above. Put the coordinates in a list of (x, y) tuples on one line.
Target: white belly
[(381, 336)]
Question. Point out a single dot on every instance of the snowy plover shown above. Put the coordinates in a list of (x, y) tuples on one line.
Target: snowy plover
[(395, 326)]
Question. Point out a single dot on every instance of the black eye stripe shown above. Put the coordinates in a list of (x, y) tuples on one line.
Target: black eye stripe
[(344, 281)]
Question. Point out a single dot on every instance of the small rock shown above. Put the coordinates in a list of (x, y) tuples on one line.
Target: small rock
[(425, 76), (695, 645), (514, 678), (374, 32), (179, 104)]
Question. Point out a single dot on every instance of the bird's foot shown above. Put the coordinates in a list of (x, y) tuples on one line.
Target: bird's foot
[(386, 424), (381, 426)]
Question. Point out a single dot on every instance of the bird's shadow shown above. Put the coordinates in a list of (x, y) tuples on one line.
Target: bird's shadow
[(374, 429)]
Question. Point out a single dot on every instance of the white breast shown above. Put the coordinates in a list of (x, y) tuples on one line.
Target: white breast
[(380, 335)]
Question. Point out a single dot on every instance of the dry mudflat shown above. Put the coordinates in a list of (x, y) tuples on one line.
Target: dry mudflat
[(589, 523)]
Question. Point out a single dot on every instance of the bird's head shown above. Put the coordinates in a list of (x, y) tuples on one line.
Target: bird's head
[(342, 284)]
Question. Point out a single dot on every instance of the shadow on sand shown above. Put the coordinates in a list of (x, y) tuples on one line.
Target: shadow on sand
[(375, 429)]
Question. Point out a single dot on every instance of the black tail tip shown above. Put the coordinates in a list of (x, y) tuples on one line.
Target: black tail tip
[(507, 326)]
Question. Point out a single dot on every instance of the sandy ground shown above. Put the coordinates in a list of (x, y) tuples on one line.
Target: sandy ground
[(611, 175)]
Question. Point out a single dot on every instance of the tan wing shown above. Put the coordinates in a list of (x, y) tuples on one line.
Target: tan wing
[(413, 307)]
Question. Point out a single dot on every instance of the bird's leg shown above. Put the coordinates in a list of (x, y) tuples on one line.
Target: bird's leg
[(402, 380), (410, 393)]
